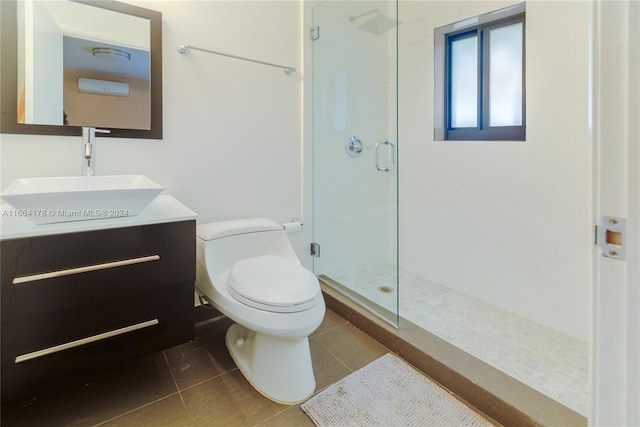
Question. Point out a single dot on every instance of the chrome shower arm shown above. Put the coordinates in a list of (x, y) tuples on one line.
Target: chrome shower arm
[(353, 18)]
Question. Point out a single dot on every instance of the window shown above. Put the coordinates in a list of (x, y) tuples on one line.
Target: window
[(479, 74)]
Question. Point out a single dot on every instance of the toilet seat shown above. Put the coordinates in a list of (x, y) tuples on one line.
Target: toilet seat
[(273, 283)]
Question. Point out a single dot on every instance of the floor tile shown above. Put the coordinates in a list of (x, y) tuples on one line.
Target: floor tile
[(351, 346), (201, 359), (211, 325), (326, 367), (330, 321), (96, 397), (228, 400), (291, 417), (169, 412)]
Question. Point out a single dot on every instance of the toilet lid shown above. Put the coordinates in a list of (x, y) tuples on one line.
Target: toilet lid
[(273, 283)]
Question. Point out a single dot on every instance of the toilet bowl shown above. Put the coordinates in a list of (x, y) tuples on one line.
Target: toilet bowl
[(248, 270)]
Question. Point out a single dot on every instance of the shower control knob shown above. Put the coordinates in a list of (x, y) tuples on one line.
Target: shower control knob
[(353, 146)]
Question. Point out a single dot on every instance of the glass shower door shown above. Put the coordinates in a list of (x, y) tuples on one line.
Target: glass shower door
[(355, 185)]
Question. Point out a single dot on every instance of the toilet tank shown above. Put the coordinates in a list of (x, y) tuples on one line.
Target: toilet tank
[(221, 244)]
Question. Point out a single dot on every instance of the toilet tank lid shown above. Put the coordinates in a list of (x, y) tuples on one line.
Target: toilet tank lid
[(219, 229)]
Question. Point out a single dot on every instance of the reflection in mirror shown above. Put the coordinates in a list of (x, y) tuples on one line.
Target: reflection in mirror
[(64, 41), (105, 85), (82, 63)]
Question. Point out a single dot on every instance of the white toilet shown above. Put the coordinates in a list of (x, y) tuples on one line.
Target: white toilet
[(248, 270)]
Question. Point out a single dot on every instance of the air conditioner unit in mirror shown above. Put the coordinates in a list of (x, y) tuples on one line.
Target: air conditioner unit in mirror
[(103, 87)]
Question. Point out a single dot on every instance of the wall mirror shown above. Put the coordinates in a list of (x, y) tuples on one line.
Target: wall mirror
[(73, 63)]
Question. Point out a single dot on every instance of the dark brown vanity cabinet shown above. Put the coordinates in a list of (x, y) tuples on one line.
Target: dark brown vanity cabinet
[(77, 301)]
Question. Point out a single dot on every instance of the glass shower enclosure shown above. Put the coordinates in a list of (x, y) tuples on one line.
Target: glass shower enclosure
[(355, 151)]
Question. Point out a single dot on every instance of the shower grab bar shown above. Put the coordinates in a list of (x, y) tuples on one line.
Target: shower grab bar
[(186, 48), (392, 166)]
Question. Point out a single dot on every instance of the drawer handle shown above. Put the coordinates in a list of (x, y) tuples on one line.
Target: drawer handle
[(77, 343), (78, 270)]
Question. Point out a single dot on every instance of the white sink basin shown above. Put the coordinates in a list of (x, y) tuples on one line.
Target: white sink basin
[(78, 198)]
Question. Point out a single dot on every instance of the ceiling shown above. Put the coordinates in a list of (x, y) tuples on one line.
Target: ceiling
[(78, 56)]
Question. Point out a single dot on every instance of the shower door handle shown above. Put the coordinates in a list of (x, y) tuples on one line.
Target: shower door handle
[(392, 166)]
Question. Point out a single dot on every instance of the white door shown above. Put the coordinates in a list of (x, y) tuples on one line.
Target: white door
[(616, 293)]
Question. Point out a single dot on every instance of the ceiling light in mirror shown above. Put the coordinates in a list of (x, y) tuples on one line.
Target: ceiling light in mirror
[(111, 53)]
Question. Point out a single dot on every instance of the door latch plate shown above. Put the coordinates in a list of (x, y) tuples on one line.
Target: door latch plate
[(611, 237)]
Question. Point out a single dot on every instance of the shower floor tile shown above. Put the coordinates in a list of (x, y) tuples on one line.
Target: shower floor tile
[(553, 363)]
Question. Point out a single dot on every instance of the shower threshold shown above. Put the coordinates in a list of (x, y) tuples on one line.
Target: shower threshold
[(383, 313), (491, 391)]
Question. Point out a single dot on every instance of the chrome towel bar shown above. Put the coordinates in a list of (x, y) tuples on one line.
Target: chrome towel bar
[(186, 48)]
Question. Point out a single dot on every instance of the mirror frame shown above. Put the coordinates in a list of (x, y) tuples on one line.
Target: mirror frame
[(9, 73)]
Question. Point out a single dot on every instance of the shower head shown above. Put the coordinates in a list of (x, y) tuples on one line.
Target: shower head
[(377, 24)]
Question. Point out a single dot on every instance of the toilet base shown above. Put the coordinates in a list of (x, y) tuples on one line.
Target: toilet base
[(279, 368)]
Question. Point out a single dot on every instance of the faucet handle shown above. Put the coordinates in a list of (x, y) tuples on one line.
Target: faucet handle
[(90, 132)]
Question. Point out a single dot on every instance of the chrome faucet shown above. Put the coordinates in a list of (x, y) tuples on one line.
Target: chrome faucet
[(89, 150)]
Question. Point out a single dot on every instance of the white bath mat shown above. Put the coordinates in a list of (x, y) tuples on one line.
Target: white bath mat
[(389, 392)]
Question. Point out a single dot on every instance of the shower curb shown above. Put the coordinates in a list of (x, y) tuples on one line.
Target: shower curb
[(489, 390)]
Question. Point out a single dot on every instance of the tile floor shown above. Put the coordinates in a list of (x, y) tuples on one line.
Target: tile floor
[(193, 384), (552, 363)]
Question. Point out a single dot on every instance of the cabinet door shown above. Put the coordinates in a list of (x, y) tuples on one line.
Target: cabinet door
[(55, 327), (52, 273), (45, 350)]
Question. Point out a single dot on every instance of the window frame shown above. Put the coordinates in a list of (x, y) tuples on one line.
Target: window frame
[(444, 36)]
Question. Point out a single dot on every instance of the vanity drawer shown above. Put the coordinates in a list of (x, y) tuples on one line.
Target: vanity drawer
[(53, 273), (42, 350)]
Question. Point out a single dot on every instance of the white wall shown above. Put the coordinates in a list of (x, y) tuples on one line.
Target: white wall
[(232, 129), (505, 222)]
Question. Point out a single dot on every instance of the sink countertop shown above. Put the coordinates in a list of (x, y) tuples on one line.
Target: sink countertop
[(164, 208)]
